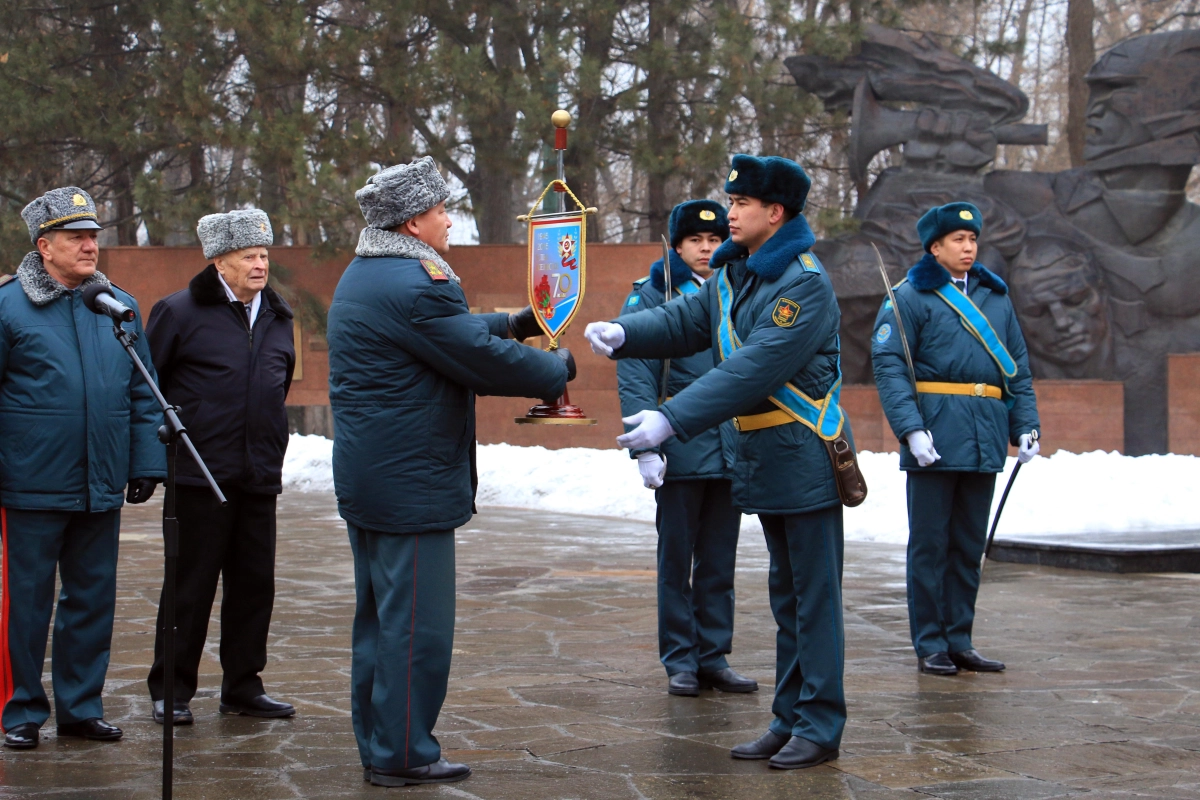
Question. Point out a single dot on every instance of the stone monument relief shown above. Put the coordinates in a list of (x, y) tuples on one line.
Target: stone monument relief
[(1100, 260)]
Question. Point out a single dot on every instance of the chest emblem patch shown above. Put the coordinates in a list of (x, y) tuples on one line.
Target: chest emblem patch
[(435, 272), (884, 333), (785, 313)]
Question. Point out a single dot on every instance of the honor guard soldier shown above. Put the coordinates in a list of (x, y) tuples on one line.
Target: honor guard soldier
[(697, 523), (973, 396), (406, 359), (77, 425), (770, 316)]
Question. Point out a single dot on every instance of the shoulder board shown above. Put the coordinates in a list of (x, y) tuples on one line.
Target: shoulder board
[(809, 262), (6, 278), (901, 283), (640, 281), (435, 272)]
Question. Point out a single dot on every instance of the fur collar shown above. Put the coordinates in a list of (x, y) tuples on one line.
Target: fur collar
[(207, 290), (680, 273), (927, 275), (775, 255), (375, 243), (40, 288)]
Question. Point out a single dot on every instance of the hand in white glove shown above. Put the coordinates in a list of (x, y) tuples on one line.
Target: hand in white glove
[(651, 431), (604, 337), (653, 468), (1027, 448), (921, 445)]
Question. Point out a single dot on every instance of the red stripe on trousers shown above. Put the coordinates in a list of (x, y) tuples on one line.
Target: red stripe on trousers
[(6, 680), (412, 634)]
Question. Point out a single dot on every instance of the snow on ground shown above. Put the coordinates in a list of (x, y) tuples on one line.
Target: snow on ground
[(1063, 494)]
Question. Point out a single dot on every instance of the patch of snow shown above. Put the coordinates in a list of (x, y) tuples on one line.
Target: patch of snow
[(1064, 494)]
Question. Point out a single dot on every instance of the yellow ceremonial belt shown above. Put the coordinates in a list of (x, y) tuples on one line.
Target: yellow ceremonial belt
[(770, 419), (969, 389)]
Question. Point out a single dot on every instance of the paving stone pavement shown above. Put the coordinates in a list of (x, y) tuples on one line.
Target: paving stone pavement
[(556, 691)]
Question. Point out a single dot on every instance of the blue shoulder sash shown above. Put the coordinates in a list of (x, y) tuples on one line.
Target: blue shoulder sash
[(687, 287), (824, 417), (979, 327)]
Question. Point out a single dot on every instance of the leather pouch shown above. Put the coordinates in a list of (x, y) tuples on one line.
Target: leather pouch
[(851, 486)]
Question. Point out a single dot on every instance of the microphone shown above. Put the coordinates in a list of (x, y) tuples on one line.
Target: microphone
[(99, 299)]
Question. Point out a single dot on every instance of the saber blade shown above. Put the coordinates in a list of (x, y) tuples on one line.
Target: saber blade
[(987, 548), (666, 373)]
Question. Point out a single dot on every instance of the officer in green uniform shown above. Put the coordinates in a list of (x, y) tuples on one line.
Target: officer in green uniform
[(697, 523), (973, 397), (406, 359), (771, 318)]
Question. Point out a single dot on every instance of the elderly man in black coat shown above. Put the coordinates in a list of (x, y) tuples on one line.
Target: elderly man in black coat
[(224, 352)]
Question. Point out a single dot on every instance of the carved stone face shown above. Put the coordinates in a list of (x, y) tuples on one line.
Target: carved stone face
[(1112, 115), (1057, 297)]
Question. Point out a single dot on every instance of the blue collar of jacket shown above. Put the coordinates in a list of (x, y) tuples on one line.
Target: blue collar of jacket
[(928, 275), (770, 260), (680, 273)]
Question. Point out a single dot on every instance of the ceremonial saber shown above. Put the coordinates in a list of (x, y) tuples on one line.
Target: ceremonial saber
[(912, 371), (666, 375), (1000, 509)]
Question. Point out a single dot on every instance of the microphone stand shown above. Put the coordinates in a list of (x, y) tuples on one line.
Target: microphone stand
[(170, 434)]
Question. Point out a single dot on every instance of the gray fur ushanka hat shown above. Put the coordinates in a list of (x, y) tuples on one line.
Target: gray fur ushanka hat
[(223, 233), (399, 193)]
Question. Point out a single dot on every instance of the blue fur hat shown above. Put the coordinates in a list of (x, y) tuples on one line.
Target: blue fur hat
[(697, 216), (941, 220), (770, 179)]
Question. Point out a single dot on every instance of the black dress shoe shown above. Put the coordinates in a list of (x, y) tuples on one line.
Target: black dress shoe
[(936, 664), (261, 706), (684, 684), (800, 753), (95, 729), (438, 772), (182, 715), (764, 746), (23, 737), (726, 680), (972, 660)]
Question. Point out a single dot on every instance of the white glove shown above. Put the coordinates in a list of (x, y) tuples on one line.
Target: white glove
[(651, 431), (604, 337), (921, 445), (653, 468), (1027, 448)]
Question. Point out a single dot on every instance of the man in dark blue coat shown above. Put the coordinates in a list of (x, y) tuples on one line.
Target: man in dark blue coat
[(406, 360), (77, 425), (770, 316), (224, 350), (973, 397), (697, 523)]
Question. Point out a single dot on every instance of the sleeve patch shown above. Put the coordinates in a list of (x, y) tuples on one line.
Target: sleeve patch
[(435, 272), (884, 333), (785, 312), (634, 299)]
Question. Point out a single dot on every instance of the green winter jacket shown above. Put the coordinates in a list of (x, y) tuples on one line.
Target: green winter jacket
[(406, 359), (783, 469), (708, 455), (77, 421), (971, 434)]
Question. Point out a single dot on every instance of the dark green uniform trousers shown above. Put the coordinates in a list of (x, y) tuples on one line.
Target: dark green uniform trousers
[(82, 548), (947, 531), (805, 584), (697, 553), (401, 642)]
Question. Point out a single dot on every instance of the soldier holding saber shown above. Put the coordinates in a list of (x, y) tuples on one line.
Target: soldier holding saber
[(964, 396)]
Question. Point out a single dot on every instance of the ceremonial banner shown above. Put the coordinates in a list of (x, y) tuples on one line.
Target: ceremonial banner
[(557, 257)]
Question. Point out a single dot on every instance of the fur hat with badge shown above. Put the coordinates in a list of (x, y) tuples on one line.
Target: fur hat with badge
[(697, 216), (399, 193), (65, 208), (771, 179), (941, 220), (223, 233)]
